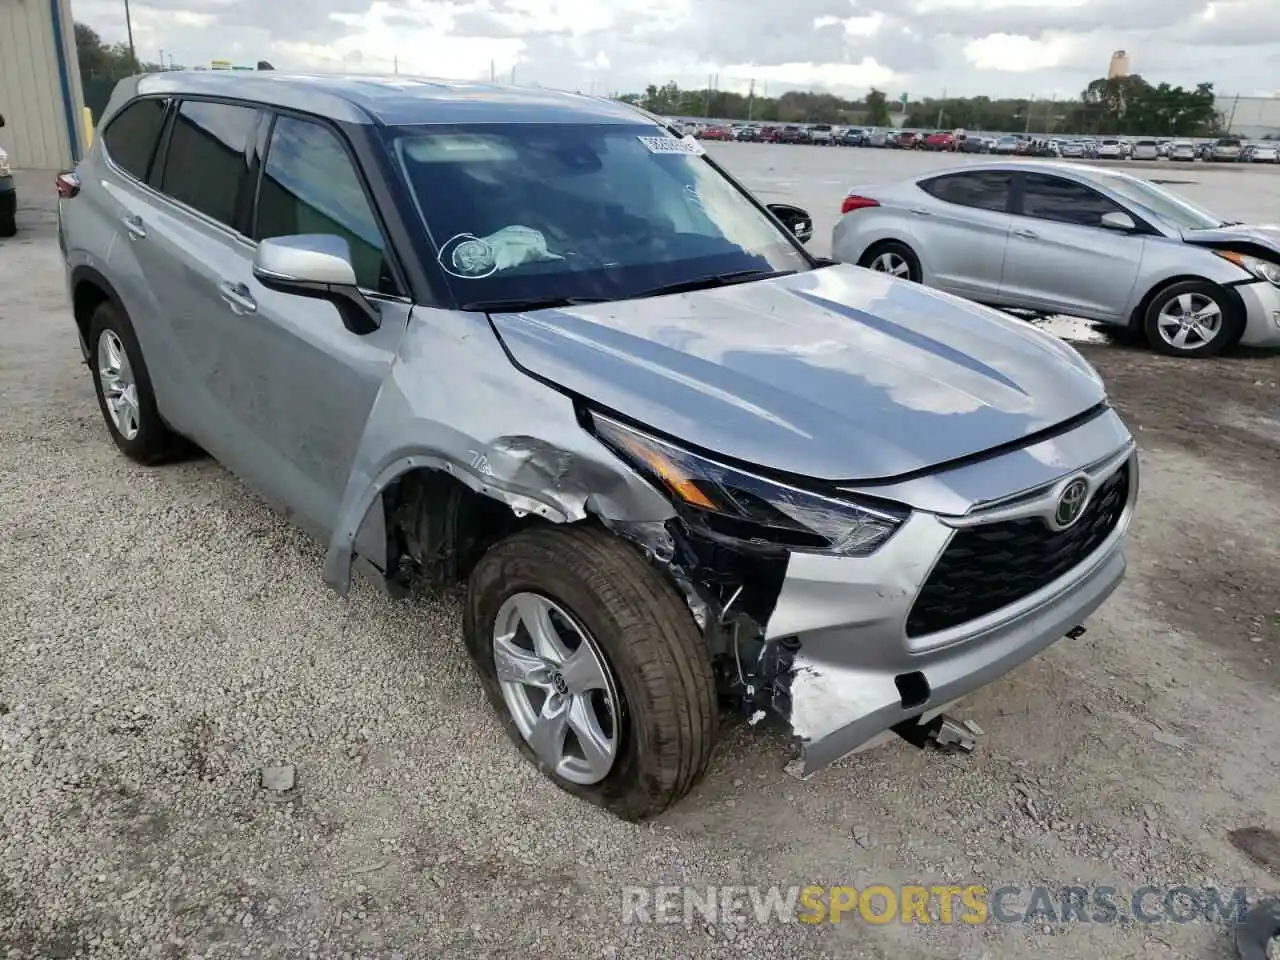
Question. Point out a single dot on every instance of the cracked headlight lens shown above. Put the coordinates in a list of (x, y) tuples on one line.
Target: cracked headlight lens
[(1262, 269), (732, 504)]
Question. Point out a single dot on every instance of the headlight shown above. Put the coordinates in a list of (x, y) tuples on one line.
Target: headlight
[(1262, 269), (4, 165), (731, 504)]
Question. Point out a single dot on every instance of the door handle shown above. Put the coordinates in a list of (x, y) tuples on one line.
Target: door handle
[(238, 297), (135, 227), (1027, 234), (921, 212)]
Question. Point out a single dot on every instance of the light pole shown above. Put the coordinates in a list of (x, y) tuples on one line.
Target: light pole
[(128, 24)]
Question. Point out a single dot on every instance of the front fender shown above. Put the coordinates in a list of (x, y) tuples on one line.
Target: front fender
[(454, 402)]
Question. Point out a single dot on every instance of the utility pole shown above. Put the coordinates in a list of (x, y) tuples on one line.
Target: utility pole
[(395, 64), (706, 100), (492, 74), (751, 98), (128, 23), (162, 66), (941, 107), (1030, 106)]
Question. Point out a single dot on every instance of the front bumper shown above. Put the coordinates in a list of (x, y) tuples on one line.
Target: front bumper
[(1262, 314), (857, 673)]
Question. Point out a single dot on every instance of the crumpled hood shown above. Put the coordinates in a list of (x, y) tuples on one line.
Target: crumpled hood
[(1265, 235), (838, 374)]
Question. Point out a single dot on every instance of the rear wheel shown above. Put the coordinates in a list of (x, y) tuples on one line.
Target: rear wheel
[(595, 665), (1193, 318), (8, 225), (894, 258), (124, 389)]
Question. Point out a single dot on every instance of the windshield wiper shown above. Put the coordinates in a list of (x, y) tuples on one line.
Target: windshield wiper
[(520, 305), (716, 280)]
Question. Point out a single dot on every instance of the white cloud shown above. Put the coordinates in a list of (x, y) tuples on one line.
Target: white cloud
[(996, 47)]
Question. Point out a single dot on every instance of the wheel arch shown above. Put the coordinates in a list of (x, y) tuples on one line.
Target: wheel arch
[(1139, 312), (89, 290)]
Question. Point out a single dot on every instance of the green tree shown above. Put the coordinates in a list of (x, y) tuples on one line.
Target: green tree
[(877, 109)]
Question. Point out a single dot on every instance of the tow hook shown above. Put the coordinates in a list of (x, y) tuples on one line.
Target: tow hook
[(945, 733)]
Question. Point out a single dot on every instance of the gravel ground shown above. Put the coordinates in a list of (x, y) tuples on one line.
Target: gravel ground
[(164, 636)]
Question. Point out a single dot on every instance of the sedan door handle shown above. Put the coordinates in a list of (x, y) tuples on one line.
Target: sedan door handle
[(1027, 234), (135, 227), (921, 212), (238, 297)]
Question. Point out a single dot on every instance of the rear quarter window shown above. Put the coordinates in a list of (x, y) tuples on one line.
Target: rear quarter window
[(132, 134)]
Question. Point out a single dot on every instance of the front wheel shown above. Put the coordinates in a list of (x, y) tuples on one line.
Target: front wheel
[(1193, 318), (894, 258), (595, 666), (8, 225)]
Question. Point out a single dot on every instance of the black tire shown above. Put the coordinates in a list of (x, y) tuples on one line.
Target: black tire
[(668, 719), (154, 441), (8, 225), (876, 250), (1260, 928), (1230, 308)]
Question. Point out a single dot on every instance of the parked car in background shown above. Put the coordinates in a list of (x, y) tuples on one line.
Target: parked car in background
[(768, 133), (879, 138), (1226, 150), (974, 144), (1265, 152), (716, 132), (1071, 239), (939, 140), (643, 531), (1182, 151), (853, 137), (1146, 150), (793, 133), (746, 132), (1072, 149), (1109, 149), (8, 196), (1006, 146), (821, 134)]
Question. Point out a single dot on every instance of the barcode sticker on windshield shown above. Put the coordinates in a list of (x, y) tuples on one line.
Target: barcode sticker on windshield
[(686, 146)]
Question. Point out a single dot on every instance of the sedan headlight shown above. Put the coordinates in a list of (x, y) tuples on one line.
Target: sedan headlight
[(731, 504), (1262, 269), (4, 164)]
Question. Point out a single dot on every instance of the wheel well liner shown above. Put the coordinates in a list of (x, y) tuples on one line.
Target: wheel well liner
[(89, 289)]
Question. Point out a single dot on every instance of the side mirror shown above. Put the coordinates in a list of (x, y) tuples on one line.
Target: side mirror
[(794, 219), (1118, 221), (316, 265), (1, 119)]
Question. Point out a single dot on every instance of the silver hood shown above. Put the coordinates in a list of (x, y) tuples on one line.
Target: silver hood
[(1264, 235), (836, 374)]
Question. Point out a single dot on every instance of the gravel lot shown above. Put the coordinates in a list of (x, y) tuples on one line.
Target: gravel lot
[(164, 635)]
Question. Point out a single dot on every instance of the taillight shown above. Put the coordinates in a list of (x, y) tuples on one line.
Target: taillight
[(855, 202), (68, 185)]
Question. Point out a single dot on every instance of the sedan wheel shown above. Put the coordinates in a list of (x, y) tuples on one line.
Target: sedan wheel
[(893, 263), (557, 688), (1194, 318), (1189, 321)]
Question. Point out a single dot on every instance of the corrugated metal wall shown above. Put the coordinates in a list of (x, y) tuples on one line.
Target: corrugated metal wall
[(39, 84), (1250, 116)]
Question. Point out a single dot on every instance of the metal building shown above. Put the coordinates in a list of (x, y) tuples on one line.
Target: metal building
[(1251, 117), (40, 94)]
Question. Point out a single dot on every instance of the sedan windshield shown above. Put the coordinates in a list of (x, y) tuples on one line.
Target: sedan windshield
[(1169, 207), (523, 213)]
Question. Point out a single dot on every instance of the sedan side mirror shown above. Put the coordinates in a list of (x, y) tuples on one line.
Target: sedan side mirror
[(316, 265), (1118, 221), (794, 219)]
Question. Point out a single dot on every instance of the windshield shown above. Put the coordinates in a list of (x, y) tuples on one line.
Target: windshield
[(1169, 207), (602, 212)]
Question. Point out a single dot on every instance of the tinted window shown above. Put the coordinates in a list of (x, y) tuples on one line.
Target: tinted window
[(580, 210), (1052, 198), (986, 191), (131, 137), (309, 185), (206, 166)]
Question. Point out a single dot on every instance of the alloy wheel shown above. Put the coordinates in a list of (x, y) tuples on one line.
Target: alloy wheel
[(893, 263), (1189, 321), (557, 686), (119, 387)]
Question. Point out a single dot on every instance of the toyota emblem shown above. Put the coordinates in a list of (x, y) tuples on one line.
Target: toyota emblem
[(1071, 503)]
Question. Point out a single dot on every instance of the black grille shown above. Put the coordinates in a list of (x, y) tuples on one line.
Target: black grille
[(993, 565)]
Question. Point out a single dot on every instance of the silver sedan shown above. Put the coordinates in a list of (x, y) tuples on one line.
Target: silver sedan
[(1068, 239)]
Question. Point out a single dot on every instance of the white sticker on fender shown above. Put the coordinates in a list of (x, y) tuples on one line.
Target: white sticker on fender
[(686, 146)]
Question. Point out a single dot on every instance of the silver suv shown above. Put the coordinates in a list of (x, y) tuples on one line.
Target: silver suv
[(538, 343)]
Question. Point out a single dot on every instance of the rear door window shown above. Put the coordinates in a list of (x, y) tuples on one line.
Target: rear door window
[(1063, 201), (130, 138), (985, 190), (206, 165)]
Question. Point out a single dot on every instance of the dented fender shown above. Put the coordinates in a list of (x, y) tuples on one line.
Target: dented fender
[(453, 401)]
